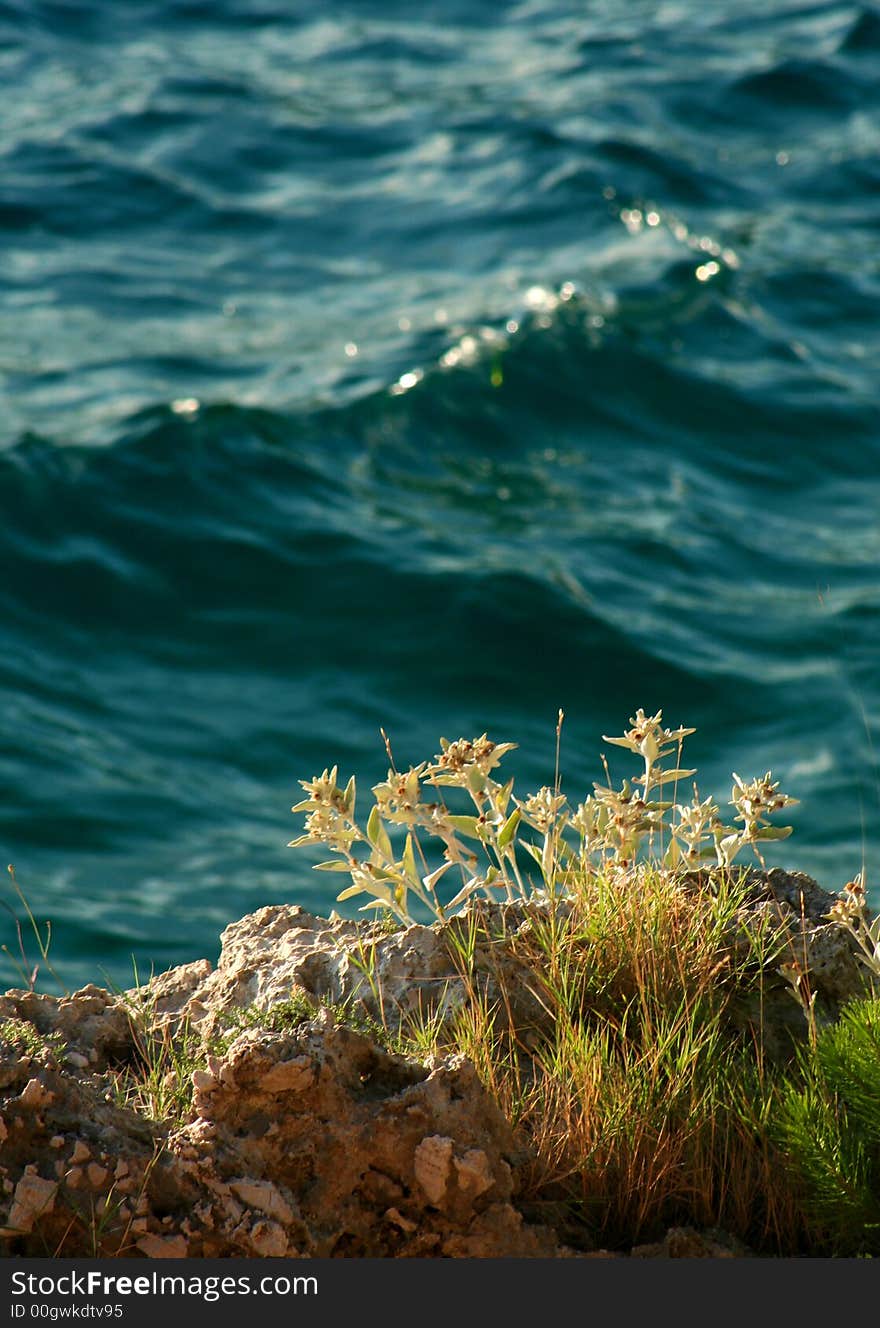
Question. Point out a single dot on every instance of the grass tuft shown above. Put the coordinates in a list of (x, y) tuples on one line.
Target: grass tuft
[(645, 1098)]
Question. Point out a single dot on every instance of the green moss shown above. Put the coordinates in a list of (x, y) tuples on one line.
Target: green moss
[(21, 1034), (287, 1016), (284, 1016)]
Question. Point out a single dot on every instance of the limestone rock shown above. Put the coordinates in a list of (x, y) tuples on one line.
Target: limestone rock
[(91, 1026), (284, 949), (269, 1241), (795, 907), (308, 1143), (432, 1164), (264, 1196), (305, 1137), (33, 1198), (163, 1247)]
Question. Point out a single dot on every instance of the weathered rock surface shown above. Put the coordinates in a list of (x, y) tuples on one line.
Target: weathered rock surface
[(795, 907), (314, 1142), (309, 1138), (277, 951)]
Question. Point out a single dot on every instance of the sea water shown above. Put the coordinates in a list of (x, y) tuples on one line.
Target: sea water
[(423, 368)]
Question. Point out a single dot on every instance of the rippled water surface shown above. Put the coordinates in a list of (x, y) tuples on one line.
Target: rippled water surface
[(365, 365)]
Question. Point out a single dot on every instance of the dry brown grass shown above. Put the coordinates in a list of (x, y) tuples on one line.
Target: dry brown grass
[(644, 1105)]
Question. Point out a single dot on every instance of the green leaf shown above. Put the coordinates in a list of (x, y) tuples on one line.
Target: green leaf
[(508, 830), (378, 835), (430, 881), (476, 779), (379, 903), (464, 893), (379, 870), (774, 832), (673, 855), (378, 890), (465, 825), (350, 795), (535, 852), (667, 776), (409, 862), (349, 892), (504, 796), (336, 865)]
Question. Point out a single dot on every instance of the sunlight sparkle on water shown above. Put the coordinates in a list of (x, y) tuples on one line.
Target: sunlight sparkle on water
[(536, 297), (407, 381)]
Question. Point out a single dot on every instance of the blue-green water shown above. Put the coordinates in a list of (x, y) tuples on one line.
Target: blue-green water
[(430, 368)]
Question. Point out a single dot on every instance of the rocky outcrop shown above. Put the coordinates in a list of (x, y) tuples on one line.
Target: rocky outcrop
[(417, 971), (296, 1133), (793, 909), (314, 1142), (392, 977)]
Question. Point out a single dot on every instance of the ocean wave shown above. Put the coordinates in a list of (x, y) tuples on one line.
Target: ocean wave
[(430, 378)]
